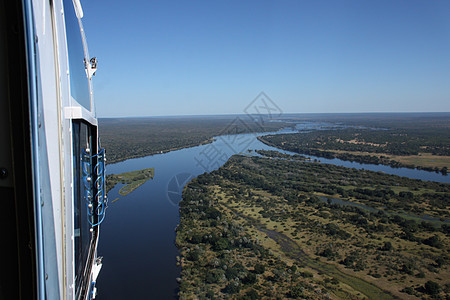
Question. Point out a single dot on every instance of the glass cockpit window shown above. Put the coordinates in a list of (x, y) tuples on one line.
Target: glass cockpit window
[(82, 145), (79, 83)]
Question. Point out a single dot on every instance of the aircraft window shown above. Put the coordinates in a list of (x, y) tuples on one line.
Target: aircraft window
[(79, 83), (82, 189)]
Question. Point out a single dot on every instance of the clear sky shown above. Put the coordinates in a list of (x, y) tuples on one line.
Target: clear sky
[(161, 58)]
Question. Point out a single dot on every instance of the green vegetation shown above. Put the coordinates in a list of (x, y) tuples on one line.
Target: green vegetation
[(132, 180), (268, 227), (276, 154), (131, 138), (422, 145)]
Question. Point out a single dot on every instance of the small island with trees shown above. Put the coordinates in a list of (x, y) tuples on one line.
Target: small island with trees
[(131, 180)]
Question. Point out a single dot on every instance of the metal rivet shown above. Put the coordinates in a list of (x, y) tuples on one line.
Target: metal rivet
[(3, 173)]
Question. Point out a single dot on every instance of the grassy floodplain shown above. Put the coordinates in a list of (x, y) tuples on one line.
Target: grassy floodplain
[(266, 227), (132, 180)]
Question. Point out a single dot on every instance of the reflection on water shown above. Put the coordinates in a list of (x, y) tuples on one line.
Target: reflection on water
[(138, 234)]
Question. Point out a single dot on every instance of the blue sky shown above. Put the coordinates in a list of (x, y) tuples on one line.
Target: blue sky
[(161, 58)]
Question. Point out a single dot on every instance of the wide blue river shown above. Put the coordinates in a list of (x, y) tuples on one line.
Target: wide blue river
[(138, 234)]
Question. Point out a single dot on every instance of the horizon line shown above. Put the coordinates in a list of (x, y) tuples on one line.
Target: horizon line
[(285, 114)]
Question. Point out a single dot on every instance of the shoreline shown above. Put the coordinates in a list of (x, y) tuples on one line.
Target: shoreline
[(205, 142), (359, 158)]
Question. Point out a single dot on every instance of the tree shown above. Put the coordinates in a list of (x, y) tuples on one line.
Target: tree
[(250, 278), (214, 276), (440, 261), (432, 288), (194, 255), (221, 244), (296, 292), (232, 288), (251, 295), (433, 241), (387, 246), (259, 268)]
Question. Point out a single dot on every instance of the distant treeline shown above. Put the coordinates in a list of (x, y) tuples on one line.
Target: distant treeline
[(406, 121), (127, 138), (402, 140)]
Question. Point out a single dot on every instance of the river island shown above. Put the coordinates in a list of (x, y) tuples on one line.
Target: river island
[(267, 227), (132, 180)]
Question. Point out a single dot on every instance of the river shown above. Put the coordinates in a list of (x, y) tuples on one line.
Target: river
[(138, 234)]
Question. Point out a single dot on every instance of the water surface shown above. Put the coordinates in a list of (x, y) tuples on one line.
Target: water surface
[(138, 234)]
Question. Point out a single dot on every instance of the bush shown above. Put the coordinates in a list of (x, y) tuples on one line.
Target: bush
[(296, 292), (196, 238), (213, 277), (210, 295), (433, 241), (251, 295), (259, 268), (387, 246), (440, 261), (306, 274), (408, 268), (432, 288), (409, 290), (194, 255), (327, 253), (231, 273), (421, 274), (231, 288), (221, 244), (250, 278)]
